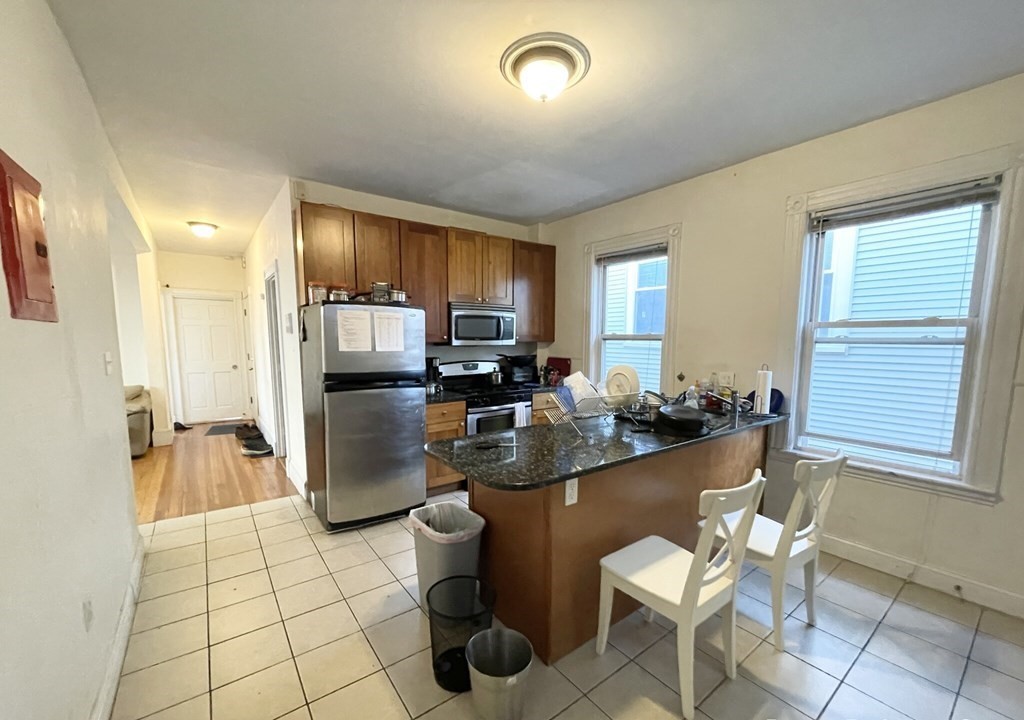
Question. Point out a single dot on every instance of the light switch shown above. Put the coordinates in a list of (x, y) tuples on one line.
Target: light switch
[(288, 323), (108, 363)]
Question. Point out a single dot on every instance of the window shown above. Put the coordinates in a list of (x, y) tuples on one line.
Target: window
[(894, 297), (632, 326)]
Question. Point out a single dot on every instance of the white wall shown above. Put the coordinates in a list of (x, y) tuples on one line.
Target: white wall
[(66, 505), (272, 247), (131, 335), (188, 271), (733, 229)]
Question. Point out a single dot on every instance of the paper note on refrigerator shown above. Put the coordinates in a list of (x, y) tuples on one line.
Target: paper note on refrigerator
[(354, 331), (389, 331)]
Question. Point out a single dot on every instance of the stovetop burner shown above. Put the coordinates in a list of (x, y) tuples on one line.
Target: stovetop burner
[(473, 379)]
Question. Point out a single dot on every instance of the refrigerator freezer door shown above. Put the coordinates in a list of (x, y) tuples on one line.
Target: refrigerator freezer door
[(361, 340), (375, 462)]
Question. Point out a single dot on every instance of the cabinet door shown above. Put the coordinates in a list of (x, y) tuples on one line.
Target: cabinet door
[(328, 247), (496, 268), (378, 251), (425, 274), (437, 472), (464, 278), (535, 292)]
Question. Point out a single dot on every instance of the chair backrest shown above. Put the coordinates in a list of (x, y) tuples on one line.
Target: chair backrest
[(815, 486), (725, 565)]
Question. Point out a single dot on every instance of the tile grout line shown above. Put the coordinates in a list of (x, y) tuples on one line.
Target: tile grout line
[(284, 628)]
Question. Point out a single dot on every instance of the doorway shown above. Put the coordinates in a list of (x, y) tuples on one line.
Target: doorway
[(274, 338), (207, 356)]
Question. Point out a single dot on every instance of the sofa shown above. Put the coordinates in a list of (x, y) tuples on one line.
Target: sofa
[(139, 408)]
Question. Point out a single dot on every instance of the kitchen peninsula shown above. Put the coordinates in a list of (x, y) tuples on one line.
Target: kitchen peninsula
[(542, 554)]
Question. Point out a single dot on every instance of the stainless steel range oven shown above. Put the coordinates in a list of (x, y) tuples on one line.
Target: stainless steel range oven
[(498, 417), (482, 324), (489, 407)]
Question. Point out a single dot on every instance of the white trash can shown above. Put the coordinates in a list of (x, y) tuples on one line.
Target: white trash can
[(447, 543), (499, 663)]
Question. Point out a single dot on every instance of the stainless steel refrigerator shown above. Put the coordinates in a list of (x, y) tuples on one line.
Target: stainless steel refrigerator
[(364, 401)]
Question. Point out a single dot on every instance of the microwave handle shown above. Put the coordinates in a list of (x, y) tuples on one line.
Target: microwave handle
[(501, 327)]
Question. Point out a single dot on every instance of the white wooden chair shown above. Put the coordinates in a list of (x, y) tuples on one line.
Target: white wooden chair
[(777, 547), (683, 586)]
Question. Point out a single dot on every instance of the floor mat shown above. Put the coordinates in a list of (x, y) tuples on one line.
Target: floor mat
[(221, 430)]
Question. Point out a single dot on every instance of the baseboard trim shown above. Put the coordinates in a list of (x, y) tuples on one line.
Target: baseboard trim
[(950, 583), (104, 704), (162, 437)]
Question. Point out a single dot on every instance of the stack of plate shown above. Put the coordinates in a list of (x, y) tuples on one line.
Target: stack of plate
[(622, 385)]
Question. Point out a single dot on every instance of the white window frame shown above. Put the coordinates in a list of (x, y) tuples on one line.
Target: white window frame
[(809, 338), (669, 236), (987, 396)]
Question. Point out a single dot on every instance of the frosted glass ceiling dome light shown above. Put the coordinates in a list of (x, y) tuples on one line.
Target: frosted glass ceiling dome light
[(545, 64), (202, 229)]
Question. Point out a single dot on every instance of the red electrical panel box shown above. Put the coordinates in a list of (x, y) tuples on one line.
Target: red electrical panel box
[(26, 257)]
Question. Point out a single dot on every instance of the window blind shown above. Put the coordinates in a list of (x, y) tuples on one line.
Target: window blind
[(982, 190), (644, 253)]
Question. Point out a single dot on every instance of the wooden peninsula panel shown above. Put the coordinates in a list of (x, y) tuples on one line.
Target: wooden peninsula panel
[(542, 557)]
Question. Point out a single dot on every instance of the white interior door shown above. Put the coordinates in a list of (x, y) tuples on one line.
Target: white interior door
[(209, 359)]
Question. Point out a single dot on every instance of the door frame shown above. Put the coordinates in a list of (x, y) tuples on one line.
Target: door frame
[(250, 355), (169, 295), (272, 301)]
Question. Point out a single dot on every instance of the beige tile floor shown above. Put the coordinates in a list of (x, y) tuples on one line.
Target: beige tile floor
[(253, 613)]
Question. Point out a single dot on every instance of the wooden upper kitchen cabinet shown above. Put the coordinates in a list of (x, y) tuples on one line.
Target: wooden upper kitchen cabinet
[(496, 271), (378, 251), (424, 251), (479, 268), (534, 292), (464, 248), (328, 245)]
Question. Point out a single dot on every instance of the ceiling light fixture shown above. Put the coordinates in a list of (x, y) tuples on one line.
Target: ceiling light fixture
[(202, 229), (545, 64)]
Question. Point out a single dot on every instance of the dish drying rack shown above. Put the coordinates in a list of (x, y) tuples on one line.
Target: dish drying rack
[(587, 408)]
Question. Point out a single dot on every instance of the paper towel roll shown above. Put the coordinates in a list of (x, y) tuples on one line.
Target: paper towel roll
[(763, 392)]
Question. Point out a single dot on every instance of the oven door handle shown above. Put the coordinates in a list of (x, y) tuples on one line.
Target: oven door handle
[(492, 411)]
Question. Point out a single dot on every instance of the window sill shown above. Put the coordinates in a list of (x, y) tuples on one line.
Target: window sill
[(924, 483)]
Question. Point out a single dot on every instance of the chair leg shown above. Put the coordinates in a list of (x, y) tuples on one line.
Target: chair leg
[(778, 586), (648, 613), (729, 637), (604, 612), (810, 578), (684, 649)]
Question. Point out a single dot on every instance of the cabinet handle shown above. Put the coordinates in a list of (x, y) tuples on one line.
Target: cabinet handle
[(479, 299), (462, 424), (444, 412)]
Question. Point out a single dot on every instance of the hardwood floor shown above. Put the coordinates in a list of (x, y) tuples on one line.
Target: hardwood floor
[(199, 473)]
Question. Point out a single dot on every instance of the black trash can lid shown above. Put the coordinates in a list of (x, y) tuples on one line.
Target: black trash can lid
[(460, 597)]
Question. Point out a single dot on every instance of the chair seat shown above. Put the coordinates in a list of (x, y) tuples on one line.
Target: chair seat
[(659, 567), (764, 537)]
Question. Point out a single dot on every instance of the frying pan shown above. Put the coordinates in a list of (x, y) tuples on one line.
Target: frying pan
[(519, 360), (679, 421)]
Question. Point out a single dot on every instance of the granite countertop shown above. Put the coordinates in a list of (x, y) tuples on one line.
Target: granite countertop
[(445, 396), (549, 454)]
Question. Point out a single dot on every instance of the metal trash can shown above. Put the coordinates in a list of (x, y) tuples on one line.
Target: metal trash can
[(447, 543), (459, 608), (499, 663)]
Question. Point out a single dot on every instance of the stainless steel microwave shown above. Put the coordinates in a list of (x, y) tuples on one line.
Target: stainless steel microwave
[(473, 324)]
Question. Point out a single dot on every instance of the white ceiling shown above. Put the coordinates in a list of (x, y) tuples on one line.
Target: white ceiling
[(210, 103)]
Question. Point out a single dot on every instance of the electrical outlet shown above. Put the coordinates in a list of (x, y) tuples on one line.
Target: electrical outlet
[(572, 491), (728, 379)]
